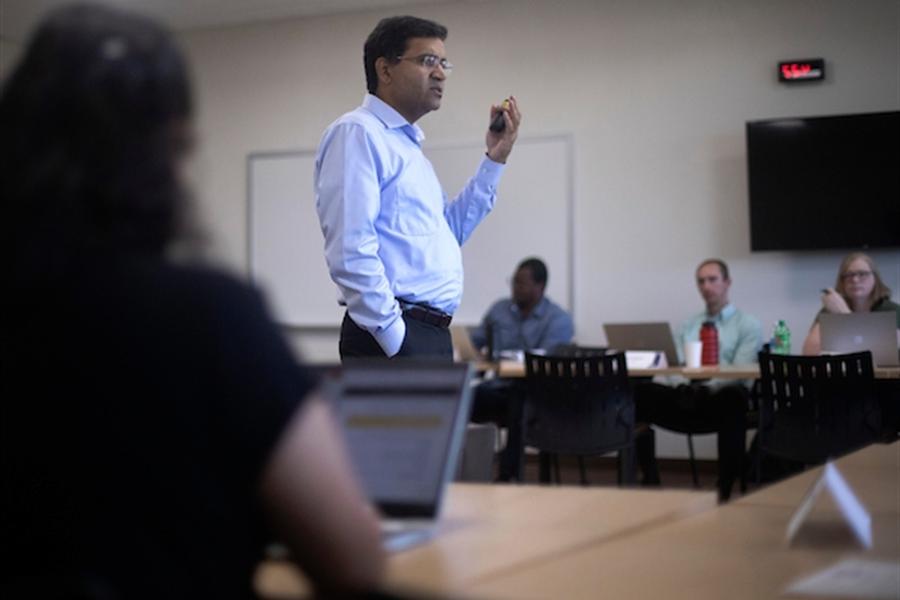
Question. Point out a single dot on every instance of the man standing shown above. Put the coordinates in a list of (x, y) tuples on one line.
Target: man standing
[(713, 405), (528, 320), (392, 240)]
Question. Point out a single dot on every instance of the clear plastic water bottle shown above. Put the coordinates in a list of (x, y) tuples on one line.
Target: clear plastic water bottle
[(781, 338)]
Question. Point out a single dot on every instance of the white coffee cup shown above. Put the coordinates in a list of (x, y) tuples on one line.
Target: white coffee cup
[(692, 353)]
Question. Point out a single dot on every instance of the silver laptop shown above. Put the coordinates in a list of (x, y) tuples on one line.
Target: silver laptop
[(856, 332), (463, 348), (642, 336), (404, 423)]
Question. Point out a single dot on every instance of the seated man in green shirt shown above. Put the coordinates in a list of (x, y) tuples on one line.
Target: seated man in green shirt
[(712, 405)]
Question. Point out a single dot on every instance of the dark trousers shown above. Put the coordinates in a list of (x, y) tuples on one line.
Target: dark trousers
[(423, 340), (695, 409), (502, 401)]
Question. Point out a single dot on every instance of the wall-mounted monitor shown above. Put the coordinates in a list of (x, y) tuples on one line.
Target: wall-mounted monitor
[(824, 182)]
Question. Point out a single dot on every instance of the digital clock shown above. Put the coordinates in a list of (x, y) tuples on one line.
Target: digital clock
[(810, 69)]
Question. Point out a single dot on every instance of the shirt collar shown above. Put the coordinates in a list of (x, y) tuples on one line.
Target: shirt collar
[(388, 115), (726, 313), (536, 312)]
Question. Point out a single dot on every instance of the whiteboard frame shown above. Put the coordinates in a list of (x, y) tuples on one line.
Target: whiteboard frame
[(317, 322)]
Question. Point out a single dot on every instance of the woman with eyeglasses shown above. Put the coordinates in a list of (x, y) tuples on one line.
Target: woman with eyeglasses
[(858, 288)]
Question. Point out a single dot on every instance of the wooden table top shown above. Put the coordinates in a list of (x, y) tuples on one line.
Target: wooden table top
[(734, 551), (502, 541), (489, 529)]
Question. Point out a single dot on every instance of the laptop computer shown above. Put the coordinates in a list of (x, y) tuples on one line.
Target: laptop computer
[(463, 348), (404, 423), (856, 332), (642, 336)]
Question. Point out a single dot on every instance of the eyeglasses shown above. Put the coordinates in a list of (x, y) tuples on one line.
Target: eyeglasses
[(856, 275), (429, 61)]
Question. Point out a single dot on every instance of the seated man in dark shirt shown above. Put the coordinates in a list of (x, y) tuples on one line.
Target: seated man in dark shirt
[(527, 321)]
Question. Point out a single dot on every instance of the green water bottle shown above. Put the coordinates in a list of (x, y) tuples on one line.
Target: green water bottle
[(782, 338)]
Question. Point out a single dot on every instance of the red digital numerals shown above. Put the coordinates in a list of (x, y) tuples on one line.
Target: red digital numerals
[(793, 71)]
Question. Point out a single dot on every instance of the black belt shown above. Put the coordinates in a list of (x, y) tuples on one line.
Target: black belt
[(426, 314)]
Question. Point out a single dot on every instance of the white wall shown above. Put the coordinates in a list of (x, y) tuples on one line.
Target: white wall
[(655, 93)]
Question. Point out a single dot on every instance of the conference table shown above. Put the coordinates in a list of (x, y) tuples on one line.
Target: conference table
[(514, 369), (734, 551), (500, 541)]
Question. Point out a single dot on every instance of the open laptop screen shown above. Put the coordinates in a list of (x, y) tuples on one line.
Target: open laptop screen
[(404, 425), (855, 332), (642, 336)]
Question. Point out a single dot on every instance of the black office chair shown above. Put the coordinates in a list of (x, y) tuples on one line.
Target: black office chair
[(580, 404), (813, 408), (576, 350)]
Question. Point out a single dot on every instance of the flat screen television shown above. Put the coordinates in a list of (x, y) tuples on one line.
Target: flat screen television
[(824, 182)]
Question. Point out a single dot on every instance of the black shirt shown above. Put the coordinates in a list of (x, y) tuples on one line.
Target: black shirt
[(140, 402)]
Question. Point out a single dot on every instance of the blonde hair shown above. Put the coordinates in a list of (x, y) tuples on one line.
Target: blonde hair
[(879, 292)]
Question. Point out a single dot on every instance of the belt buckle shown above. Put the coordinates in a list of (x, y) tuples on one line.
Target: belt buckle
[(428, 315)]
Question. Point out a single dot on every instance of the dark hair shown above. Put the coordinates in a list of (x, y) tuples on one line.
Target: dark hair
[(389, 38), (537, 267), (94, 118), (723, 268)]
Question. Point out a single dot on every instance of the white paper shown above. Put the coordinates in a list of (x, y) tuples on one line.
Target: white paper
[(645, 359), (851, 508), (852, 578), (806, 505)]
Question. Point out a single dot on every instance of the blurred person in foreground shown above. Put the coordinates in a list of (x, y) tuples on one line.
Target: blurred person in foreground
[(156, 430)]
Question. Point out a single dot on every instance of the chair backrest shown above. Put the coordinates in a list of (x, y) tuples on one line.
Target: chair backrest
[(813, 408), (576, 350), (579, 403)]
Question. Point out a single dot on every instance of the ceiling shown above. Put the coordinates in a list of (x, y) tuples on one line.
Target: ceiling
[(18, 17)]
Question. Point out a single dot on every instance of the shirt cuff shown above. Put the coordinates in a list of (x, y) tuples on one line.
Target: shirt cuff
[(391, 339), (489, 172)]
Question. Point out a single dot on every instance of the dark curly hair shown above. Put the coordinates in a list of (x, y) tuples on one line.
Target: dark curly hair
[(537, 267), (389, 38), (94, 119)]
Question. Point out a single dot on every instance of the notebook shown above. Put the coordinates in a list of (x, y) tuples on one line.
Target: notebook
[(642, 336), (856, 332), (404, 424)]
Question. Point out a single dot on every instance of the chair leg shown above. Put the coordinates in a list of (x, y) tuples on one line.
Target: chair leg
[(758, 459), (558, 477), (690, 441), (620, 467), (544, 467), (581, 470), (626, 467)]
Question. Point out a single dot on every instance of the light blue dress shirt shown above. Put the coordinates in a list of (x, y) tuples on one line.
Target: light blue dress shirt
[(390, 232)]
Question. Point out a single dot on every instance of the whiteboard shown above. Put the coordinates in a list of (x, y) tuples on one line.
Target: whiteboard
[(532, 217)]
